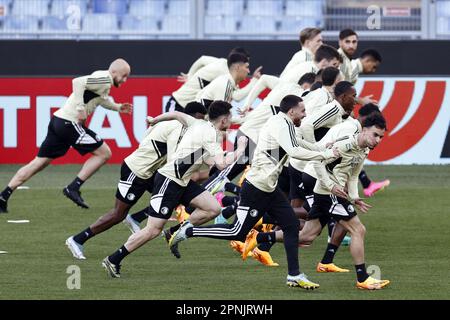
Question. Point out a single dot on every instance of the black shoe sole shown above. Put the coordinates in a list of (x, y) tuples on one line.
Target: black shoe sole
[(80, 204)]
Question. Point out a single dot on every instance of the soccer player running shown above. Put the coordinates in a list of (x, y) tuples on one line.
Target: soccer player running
[(67, 129), (138, 169), (310, 41), (202, 73), (260, 193), (335, 193), (368, 63), (200, 147)]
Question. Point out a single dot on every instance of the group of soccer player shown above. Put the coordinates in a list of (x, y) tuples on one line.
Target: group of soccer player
[(299, 155)]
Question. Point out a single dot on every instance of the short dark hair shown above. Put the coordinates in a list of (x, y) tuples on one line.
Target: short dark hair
[(375, 119), (329, 75), (194, 107), (240, 50), (236, 58), (368, 109), (346, 33), (218, 108), (374, 54), (326, 52), (290, 101), (316, 85), (309, 77), (342, 87), (308, 34)]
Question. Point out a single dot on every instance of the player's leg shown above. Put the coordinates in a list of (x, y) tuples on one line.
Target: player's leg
[(84, 141), (21, 176), (326, 264)]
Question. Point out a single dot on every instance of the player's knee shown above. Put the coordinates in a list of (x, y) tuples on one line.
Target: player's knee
[(106, 154)]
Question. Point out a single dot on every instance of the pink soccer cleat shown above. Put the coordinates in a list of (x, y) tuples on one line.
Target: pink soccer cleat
[(376, 186), (219, 196)]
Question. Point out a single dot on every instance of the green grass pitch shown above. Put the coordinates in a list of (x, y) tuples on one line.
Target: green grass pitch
[(408, 233)]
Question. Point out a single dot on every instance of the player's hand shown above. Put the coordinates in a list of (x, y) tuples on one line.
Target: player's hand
[(183, 77), (82, 116), (367, 99), (126, 108), (150, 121), (361, 205), (243, 111), (336, 152), (338, 191), (257, 73), (242, 142)]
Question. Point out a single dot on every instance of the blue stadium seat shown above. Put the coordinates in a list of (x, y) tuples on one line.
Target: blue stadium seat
[(100, 22), (21, 22), (133, 23), (295, 24), (62, 8), (176, 24), (264, 7), (257, 25), (225, 7), (54, 23), (155, 8), (179, 8), (36, 8), (4, 7), (220, 24), (304, 8), (118, 7), (443, 8)]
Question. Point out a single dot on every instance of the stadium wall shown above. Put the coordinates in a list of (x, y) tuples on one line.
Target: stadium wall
[(411, 91)]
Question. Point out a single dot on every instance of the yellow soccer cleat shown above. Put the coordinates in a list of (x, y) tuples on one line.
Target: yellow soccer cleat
[(250, 243), (259, 224), (267, 227), (241, 180), (301, 281), (181, 214), (238, 246), (264, 257), (329, 267), (372, 284)]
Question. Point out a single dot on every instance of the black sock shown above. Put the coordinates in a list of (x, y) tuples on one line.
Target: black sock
[(229, 211), (141, 215), (83, 236), (265, 246), (189, 232), (75, 184), (291, 248), (231, 187), (331, 225), (329, 253), (174, 229), (365, 181), (229, 201), (361, 272), (118, 256), (6, 193)]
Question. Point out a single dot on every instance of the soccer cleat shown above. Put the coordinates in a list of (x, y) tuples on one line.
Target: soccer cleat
[(346, 241), (167, 235), (219, 196), (3, 205), (238, 246), (112, 269), (372, 284), (75, 196), (244, 175), (250, 243), (267, 227), (182, 215), (376, 186), (75, 248), (132, 224), (264, 257), (179, 235), (301, 281), (329, 267)]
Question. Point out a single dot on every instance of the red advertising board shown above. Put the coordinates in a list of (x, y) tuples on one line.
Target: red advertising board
[(416, 110)]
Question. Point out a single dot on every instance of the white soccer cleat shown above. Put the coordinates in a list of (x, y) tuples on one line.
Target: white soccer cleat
[(180, 234), (75, 248), (132, 224)]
